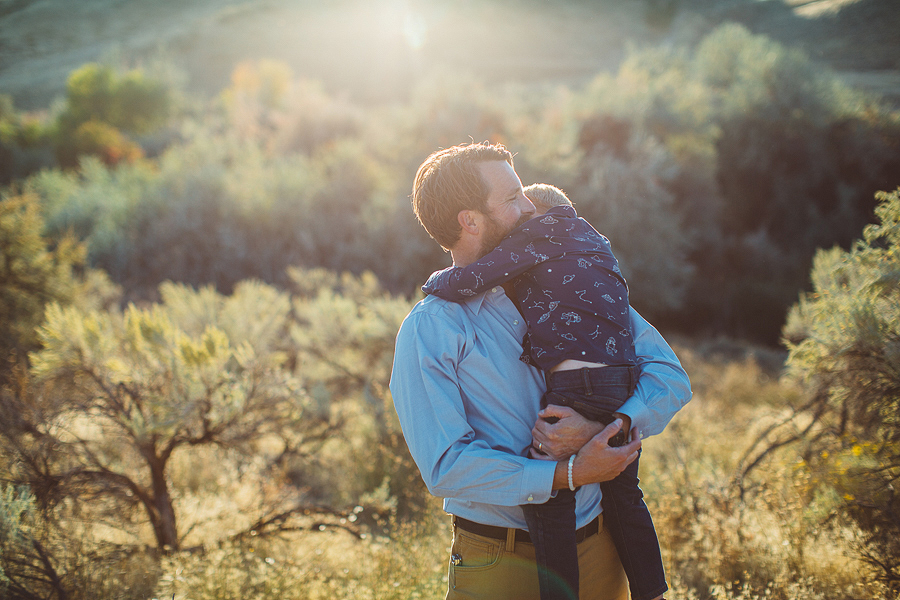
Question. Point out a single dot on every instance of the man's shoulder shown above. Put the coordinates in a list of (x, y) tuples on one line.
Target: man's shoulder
[(435, 321), (434, 308)]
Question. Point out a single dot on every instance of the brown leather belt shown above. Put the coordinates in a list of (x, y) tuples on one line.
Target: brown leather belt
[(499, 533)]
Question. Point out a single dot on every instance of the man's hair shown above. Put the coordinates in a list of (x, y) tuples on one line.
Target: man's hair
[(448, 182), (545, 196)]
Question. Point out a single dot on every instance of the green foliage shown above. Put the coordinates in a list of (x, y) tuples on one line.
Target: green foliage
[(41, 557), (25, 566), (218, 210), (25, 143), (102, 107), (744, 518), (16, 506), (150, 411), (772, 158), (33, 273), (715, 170), (344, 338), (844, 345), (129, 101), (266, 105), (95, 138), (97, 205), (626, 196), (186, 372)]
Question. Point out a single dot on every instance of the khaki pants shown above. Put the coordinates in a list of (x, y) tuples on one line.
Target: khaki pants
[(496, 569)]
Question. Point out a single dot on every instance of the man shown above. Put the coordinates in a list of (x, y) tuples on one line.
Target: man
[(469, 407)]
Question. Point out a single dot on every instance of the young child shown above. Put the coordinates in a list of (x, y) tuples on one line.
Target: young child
[(567, 285)]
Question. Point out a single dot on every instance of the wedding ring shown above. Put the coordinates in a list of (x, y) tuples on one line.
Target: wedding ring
[(541, 446)]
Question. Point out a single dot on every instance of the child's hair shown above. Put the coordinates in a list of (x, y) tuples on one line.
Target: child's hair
[(544, 196)]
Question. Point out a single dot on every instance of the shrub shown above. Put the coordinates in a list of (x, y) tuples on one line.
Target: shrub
[(742, 518), (25, 143), (623, 194), (94, 138), (844, 346), (127, 391), (102, 107), (128, 101), (34, 273), (98, 205), (344, 338)]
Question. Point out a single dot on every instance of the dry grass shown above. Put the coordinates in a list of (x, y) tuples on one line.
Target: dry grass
[(774, 543)]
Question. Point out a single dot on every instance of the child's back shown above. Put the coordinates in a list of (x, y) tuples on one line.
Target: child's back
[(565, 280)]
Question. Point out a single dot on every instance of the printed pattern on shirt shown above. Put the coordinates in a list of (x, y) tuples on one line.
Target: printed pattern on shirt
[(567, 284)]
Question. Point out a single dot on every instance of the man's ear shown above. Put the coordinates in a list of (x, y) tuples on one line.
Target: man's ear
[(468, 221)]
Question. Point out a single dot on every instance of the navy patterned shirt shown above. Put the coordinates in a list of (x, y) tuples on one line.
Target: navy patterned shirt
[(567, 285)]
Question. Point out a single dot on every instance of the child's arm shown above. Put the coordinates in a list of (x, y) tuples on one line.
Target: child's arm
[(526, 246)]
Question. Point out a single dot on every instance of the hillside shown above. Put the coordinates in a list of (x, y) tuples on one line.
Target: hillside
[(377, 51)]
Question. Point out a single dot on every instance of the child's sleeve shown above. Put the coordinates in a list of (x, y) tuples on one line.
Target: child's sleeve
[(521, 250)]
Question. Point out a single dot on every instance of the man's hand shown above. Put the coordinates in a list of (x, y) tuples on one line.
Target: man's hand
[(597, 461), (565, 436)]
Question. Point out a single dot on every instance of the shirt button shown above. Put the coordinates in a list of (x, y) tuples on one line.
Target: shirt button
[(530, 498), (494, 290), (516, 322)]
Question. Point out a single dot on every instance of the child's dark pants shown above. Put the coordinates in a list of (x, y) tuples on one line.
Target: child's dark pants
[(596, 393)]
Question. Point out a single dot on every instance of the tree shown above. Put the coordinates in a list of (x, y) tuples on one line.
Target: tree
[(25, 144), (130, 101), (623, 193), (844, 342), (124, 392), (102, 106), (33, 273)]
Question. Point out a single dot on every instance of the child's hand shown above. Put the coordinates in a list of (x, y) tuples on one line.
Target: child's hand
[(561, 432), (626, 424)]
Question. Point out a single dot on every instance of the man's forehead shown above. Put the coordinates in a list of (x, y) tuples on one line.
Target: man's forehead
[(500, 177)]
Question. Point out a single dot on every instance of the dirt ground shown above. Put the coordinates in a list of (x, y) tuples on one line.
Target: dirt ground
[(378, 49)]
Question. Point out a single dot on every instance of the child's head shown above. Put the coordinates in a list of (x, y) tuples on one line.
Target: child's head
[(544, 197)]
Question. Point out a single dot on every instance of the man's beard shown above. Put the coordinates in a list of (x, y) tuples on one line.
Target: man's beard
[(495, 232)]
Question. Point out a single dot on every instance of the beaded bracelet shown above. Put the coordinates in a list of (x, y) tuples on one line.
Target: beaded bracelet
[(571, 462)]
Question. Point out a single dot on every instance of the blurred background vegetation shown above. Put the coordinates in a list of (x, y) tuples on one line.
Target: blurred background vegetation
[(206, 257)]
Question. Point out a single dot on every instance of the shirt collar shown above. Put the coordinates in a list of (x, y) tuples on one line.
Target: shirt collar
[(476, 302)]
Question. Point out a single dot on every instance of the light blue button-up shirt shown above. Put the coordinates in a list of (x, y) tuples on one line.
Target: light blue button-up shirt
[(467, 404)]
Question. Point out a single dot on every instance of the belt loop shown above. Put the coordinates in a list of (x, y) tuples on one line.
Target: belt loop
[(585, 373), (510, 539)]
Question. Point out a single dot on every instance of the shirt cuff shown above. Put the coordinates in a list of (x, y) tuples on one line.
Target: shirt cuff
[(637, 411), (537, 482)]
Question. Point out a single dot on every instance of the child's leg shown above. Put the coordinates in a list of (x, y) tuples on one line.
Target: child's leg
[(628, 520), (552, 529)]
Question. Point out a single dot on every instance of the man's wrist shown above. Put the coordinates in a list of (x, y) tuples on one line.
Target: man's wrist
[(561, 475)]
